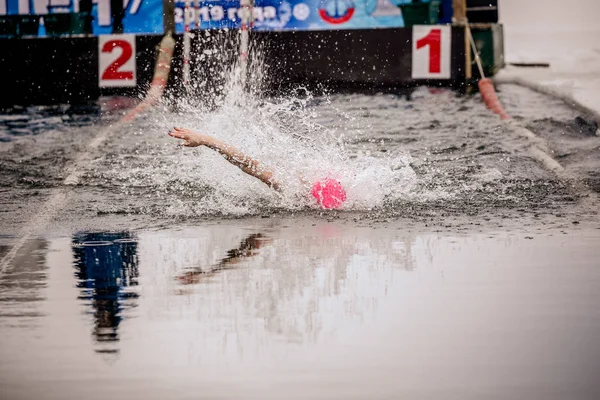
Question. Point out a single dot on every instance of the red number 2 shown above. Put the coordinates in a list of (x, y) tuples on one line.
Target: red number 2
[(112, 71), (433, 40)]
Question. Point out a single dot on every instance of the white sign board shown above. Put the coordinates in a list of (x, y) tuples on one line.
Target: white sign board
[(116, 61), (431, 51)]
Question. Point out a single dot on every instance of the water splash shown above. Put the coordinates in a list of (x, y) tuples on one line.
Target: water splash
[(287, 134)]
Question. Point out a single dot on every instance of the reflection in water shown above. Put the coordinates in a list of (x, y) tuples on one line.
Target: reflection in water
[(297, 285), (321, 312), (248, 248), (106, 271), (21, 284)]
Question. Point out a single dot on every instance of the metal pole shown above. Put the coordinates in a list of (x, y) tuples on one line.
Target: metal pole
[(459, 16), (186, 45), (197, 14), (475, 52), (247, 18), (169, 16)]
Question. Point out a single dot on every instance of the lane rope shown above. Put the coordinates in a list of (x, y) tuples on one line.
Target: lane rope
[(549, 91), (538, 148)]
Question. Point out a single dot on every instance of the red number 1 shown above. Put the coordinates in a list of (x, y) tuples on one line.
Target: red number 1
[(112, 71), (433, 40)]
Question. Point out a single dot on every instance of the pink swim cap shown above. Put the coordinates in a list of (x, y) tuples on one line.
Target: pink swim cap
[(329, 193)]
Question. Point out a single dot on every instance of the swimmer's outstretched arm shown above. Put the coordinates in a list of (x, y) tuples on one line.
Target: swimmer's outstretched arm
[(231, 154)]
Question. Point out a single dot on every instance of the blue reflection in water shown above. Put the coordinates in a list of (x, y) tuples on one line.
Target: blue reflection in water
[(107, 272)]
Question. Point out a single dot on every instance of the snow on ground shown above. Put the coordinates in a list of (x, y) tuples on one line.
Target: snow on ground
[(565, 34), (574, 58)]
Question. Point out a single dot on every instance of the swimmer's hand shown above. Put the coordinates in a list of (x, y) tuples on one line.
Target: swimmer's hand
[(236, 157), (191, 138)]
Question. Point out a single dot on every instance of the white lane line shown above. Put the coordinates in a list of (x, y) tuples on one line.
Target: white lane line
[(58, 197), (54, 204), (75, 171), (539, 149)]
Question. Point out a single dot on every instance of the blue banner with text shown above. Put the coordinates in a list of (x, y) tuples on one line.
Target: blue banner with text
[(108, 16), (297, 14), (146, 16)]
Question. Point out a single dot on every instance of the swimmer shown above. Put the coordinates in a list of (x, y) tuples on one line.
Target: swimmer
[(328, 192)]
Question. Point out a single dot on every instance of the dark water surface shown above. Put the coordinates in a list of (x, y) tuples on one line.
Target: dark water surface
[(426, 157), (460, 269)]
